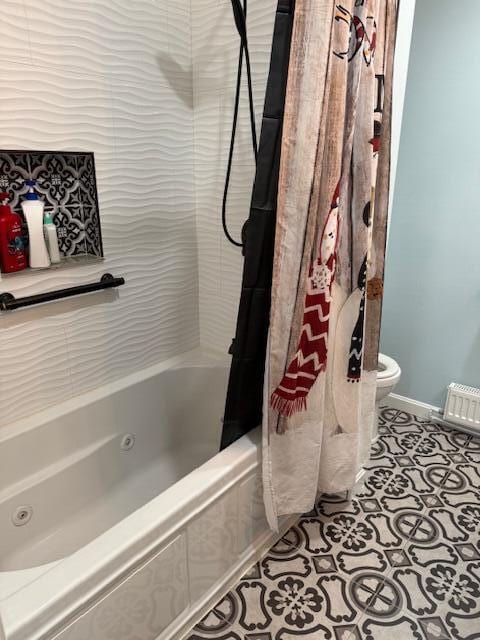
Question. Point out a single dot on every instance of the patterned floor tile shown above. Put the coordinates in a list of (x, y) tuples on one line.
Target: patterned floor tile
[(399, 561), (399, 627)]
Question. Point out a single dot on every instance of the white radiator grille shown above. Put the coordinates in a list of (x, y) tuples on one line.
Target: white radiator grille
[(463, 405)]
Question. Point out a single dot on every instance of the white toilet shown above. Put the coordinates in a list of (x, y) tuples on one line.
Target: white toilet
[(388, 376)]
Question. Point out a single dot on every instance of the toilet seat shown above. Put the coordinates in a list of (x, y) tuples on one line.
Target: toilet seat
[(388, 369)]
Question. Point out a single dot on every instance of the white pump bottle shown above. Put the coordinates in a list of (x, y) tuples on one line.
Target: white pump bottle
[(33, 211)]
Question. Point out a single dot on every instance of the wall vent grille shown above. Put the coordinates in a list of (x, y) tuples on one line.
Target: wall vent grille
[(463, 405)]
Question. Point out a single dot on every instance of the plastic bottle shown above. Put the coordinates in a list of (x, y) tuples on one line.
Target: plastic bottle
[(33, 211), (51, 238), (13, 256)]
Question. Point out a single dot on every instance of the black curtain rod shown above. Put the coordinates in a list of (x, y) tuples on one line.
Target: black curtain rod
[(8, 302)]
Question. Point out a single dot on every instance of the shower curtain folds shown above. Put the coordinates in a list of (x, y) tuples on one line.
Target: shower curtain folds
[(320, 373)]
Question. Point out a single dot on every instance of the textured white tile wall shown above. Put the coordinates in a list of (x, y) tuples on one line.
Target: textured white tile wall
[(114, 78), (215, 56), (149, 87)]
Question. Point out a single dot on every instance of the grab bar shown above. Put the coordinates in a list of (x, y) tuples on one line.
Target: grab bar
[(8, 302)]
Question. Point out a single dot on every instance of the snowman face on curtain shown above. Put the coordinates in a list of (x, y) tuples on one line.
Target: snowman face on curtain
[(329, 237)]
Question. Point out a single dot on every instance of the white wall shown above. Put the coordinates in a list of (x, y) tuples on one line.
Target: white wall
[(215, 54), (114, 78)]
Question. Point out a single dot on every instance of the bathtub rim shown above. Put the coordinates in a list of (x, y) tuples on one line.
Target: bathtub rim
[(63, 590)]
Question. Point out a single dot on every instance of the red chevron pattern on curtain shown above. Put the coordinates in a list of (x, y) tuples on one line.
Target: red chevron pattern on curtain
[(311, 358)]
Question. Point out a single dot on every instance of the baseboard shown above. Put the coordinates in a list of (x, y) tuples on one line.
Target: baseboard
[(427, 411), (420, 409)]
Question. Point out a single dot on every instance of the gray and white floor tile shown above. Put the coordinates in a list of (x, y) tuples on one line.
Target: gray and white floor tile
[(401, 561)]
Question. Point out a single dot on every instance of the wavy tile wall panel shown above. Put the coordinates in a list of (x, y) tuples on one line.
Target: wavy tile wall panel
[(104, 336), (133, 82), (94, 76), (215, 42), (152, 124), (144, 39), (55, 109), (34, 366), (15, 46), (215, 54)]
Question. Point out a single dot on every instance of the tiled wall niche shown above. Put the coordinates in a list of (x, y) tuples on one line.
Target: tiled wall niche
[(66, 182)]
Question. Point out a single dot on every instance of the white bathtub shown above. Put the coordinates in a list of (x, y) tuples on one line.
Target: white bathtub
[(134, 543)]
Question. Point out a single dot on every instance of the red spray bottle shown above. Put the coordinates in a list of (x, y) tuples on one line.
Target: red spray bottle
[(13, 256)]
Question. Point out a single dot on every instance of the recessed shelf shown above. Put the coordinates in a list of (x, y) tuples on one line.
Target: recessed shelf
[(66, 263), (66, 181)]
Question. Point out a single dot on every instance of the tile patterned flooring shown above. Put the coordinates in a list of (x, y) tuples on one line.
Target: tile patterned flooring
[(401, 561)]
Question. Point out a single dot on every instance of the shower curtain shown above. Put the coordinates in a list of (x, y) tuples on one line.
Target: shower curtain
[(320, 373)]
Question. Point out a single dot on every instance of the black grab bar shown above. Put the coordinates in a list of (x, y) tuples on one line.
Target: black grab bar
[(8, 302)]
